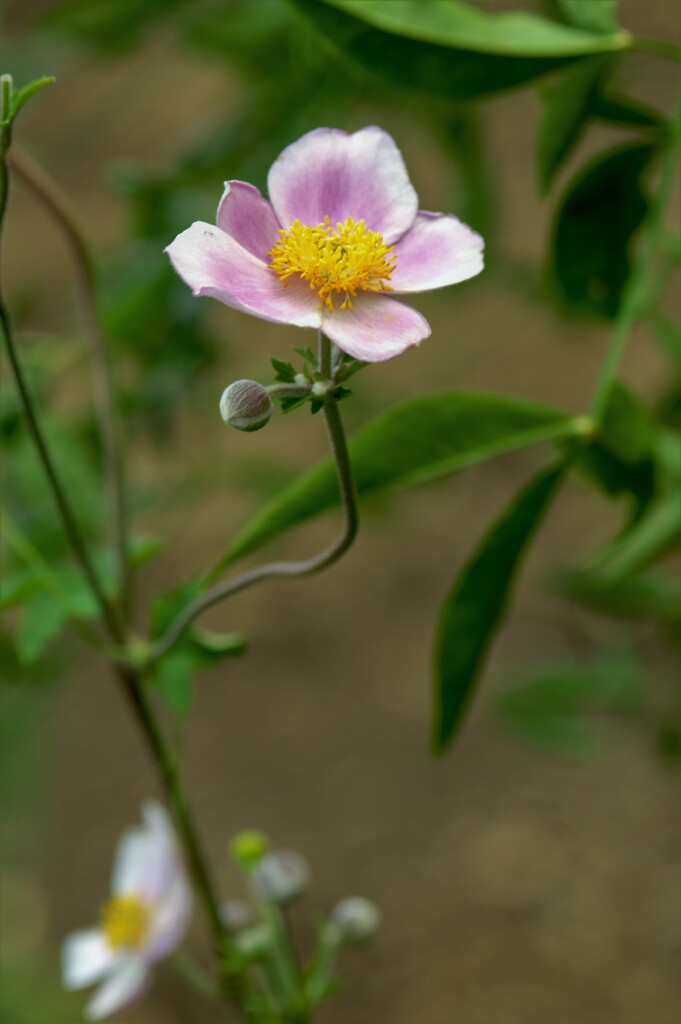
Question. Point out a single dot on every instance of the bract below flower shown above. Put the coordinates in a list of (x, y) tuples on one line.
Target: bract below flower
[(341, 234), (144, 920)]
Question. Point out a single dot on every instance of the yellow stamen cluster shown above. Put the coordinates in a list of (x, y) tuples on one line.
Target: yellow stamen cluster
[(125, 922), (335, 261)]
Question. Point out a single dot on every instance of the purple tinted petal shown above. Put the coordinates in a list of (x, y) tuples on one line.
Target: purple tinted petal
[(376, 328), (330, 173), (171, 920), (438, 250), (126, 984), (86, 957), (248, 218), (212, 263)]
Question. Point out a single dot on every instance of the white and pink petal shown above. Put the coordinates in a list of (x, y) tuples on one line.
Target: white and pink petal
[(171, 920), (86, 957), (328, 173), (437, 250), (250, 220), (125, 985), (212, 263), (376, 328)]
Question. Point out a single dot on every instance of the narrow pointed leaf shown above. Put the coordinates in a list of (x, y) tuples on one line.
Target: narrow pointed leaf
[(590, 15), (476, 604), (414, 442)]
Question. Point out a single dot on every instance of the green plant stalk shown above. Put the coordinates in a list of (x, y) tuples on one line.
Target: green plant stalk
[(282, 570), (632, 300), (645, 44), (285, 978), (59, 208)]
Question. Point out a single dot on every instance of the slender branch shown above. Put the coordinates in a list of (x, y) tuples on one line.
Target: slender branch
[(632, 300), (59, 208), (281, 570)]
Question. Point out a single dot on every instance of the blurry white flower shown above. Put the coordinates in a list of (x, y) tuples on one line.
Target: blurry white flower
[(355, 919), (144, 920)]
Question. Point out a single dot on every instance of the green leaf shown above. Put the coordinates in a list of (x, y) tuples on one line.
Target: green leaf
[(23, 95), (617, 108), (42, 620), (644, 596), (551, 707), (173, 679), (591, 15), (627, 430), (461, 26), (567, 108), (476, 603), (656, 533), (412, 443), (599, 214), (284, 371), (18, 587), (450, 48)]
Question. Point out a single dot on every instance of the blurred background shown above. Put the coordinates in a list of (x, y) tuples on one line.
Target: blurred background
[(524, 878)]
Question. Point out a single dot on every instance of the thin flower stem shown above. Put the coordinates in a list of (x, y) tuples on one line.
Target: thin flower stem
[(59, 208), (632, 301), (282, 570), (234, 985)]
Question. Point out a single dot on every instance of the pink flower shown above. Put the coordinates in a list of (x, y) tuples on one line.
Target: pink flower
[(341, 235), (144, 920)]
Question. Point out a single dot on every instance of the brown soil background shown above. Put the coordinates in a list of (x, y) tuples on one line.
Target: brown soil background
[(516, 888)]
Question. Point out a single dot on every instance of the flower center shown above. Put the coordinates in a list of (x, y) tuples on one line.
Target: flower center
[(336, 261), (125, 921)]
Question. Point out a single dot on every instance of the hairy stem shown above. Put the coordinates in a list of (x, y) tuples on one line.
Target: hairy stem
[(59, 208), (282, 570), (632, 301)]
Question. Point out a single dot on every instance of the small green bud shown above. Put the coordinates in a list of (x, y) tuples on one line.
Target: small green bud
[(281, 876), (248, 848), (354, 920), (246, 405), (254, 943)]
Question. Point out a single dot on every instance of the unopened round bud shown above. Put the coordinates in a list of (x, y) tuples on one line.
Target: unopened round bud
[(355, 919), (281, 876), (246, 405), (237, 915), (248, 848)]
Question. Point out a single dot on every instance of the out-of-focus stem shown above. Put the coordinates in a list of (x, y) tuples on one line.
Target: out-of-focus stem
[(59, 208)]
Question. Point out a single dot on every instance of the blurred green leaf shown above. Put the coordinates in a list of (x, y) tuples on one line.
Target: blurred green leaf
[(551, 708), (24, 94), (449, 48), (476, 604), (616, 108), (598, 216), (463, 27), (645, 596), (173, 680), (656, 533), (42, 620), (110, 25), (414, 442), (568, 104), (591, 15), (627, 429)]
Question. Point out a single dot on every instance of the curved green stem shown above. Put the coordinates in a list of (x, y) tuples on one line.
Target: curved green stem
[(632, 300), (281, 570), (59, 208)]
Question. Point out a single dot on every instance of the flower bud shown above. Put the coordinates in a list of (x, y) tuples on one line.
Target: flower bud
[(355, 919), (281, 876), (248, 848), (246, 405), (237, 915)]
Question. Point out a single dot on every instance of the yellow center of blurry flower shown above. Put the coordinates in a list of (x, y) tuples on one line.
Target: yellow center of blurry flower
[(338, 261), (125, 921)]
